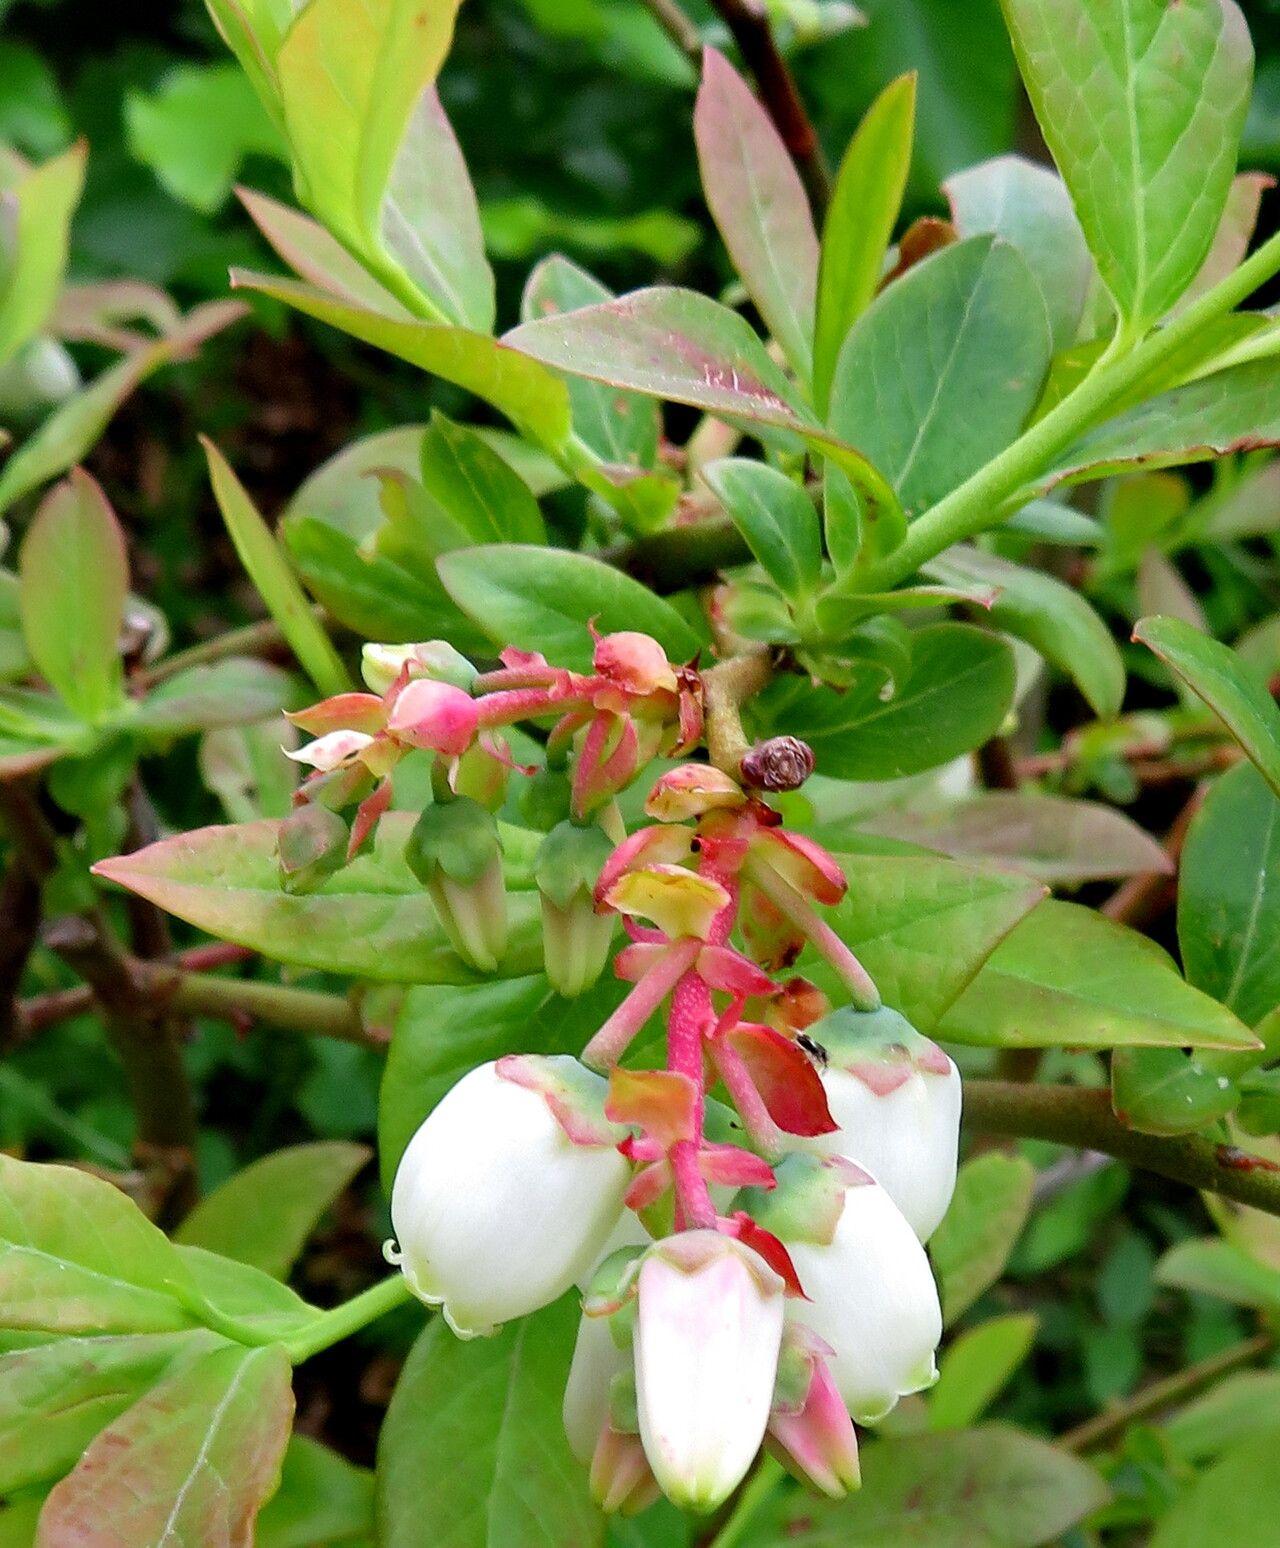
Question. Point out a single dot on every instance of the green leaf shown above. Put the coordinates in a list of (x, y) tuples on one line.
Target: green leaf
[(1048, 614), (1231, 1411), (923, 927), (55, 1397), (967, 326), (1060, 841), (38, 223), (976, 1368), (859, 225), (246, 1296), (776, 517), (953, 697), (477, 489), (620, 427), (237, 691), (542, 599), (265, 1213), (484, 1021), (1069, 977), (1237, 1500), (1231, 240), (1029, 207), (429, 222), (979, 1231), (75, 425), (487, 1414), (351, 75), (1165, 1091), (1212, 1266), (375, 596), (1236, 409), (1231, 690), (246, 769), (253, 30), (993, 1487), (686, 348), (79, 1257), (1229, 895), (74, 581), (270, 572), (1142, 105), (534, 400), (191, 1462), (195, 130), (759, 205), (372, 919), (322, 1499)]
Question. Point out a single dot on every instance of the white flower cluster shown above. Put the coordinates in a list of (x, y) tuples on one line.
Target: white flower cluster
[(692, 1353)]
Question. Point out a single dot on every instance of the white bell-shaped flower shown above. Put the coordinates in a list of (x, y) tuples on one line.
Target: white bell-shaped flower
[(508, 1192), (872, 1300), (708, 1329), (896, 1097)]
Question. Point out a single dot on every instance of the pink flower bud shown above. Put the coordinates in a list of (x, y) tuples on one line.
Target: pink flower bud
[(708, 1330), (815, 1437), (635, 662), (496, 1210), (434, 715)]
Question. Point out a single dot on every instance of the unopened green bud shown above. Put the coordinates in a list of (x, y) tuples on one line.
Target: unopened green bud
[(380, 665), (454, 851), (575, 939), (311, 844)]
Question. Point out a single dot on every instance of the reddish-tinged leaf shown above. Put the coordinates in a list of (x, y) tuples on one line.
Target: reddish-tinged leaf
[(319, 258), (685, 348), (1236, 409), (758, 201), (372, 919), (191, 1463)]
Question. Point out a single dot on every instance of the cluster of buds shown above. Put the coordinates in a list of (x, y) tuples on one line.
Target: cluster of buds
[(767, 1287), (602, 728)]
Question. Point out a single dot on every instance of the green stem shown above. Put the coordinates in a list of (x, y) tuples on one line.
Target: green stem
[(972, 507), (755, 1496), (333, 1326), (277, 1005)]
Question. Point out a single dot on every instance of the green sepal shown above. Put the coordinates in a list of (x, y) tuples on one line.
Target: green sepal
[(852, 1038), (455, 839), (569, 862), (311, 845), (808, 1201)]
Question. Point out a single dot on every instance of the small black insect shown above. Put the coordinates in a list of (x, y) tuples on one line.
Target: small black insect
[(813, 1048)]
